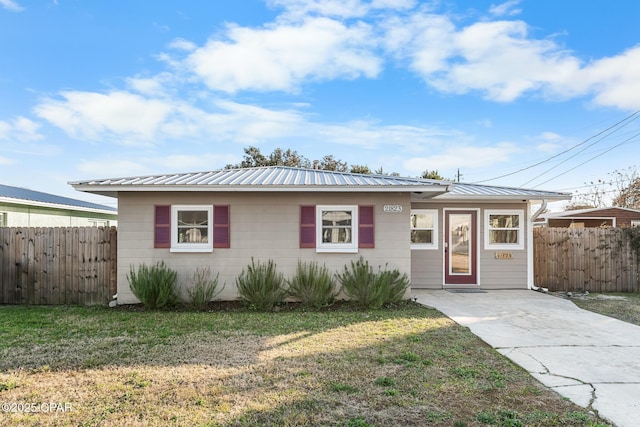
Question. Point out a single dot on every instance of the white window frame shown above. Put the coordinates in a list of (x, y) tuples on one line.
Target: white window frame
[(351, 247), (186, 246), (434, 234), (635, 223), (3, 219), (520, 229)]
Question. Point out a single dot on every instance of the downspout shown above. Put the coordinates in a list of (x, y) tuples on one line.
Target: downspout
[(533, 217)]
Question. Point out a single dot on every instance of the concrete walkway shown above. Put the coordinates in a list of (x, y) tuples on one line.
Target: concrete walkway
[(591, 359)]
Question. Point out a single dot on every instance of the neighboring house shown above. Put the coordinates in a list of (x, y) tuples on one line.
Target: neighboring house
[(20, 207), (441, 234), (596, 217)]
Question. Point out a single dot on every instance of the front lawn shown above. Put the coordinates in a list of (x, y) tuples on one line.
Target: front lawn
[(409, 366), (622, 306)]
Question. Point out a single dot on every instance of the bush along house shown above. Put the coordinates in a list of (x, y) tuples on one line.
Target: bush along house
[(441, 234)]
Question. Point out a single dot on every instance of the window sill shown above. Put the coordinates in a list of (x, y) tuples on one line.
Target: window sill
[(497, 247), (196, 250), (423, 247), (337, 250)]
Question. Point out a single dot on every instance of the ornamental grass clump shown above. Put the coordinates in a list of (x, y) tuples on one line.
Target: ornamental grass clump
[(313, 285), (154, 286), (372, 289), (203, 288), (261, 286)]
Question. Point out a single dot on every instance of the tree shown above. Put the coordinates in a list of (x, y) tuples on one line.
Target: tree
[(622, 189), (330, 163), (360, 169), (253, 158), (427, 174), (577, 206), (628, 196)]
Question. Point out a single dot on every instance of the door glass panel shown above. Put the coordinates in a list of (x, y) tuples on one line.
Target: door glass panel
[(459, 248)]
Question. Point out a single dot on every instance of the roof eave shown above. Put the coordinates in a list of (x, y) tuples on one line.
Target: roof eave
[(499, 198), (113, 190)]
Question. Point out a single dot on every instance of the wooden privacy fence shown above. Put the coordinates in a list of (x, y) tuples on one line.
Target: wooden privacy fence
[(74, 265), (585, 259)]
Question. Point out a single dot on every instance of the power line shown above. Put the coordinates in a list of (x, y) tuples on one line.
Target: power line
[(576, 154), (593, 158), (634, 114)]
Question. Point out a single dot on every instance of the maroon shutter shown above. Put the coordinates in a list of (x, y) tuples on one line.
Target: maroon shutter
[(162, 226), (365, 227), (307, 226), (221, 227)]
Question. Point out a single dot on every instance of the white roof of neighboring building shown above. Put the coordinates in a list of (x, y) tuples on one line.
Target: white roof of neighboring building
[(24, 196), (282, 178), (584, 211)]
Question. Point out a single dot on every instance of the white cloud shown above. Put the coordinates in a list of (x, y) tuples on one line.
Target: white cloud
[(155, 86), (462, 157), (113, 167), (296, 9), (11, 5), (94, 116), (614, 81), (182, 44), (19, 130), (508, 8), (500, 60), (283, 56), (5, 161)]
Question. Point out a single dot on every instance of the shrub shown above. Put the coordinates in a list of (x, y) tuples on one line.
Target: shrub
[(371, 289), (261, 286), (312, 285), (154, 286), (203, 289)]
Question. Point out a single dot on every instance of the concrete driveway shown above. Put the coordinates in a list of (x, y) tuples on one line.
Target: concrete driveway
[(591, 359)]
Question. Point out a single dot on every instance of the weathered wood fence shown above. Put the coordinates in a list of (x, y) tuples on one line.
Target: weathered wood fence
[(74, 265), (585, 259)]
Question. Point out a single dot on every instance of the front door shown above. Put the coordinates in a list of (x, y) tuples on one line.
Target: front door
[(460, 247)]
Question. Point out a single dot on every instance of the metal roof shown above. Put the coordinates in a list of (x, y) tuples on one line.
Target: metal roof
[(282, 178), (268, 178), (25, 196), (461, 190)]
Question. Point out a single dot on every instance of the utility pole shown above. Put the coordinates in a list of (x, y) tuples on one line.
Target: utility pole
[(458, 175)]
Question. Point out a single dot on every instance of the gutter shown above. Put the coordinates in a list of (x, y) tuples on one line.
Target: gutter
[(533, 217)]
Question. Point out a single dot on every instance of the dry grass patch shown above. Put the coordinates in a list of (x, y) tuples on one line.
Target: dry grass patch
[(409, 366), (625, 307)]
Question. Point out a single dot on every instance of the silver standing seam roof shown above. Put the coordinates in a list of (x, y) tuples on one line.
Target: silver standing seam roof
[(24, 196), (283, 178)]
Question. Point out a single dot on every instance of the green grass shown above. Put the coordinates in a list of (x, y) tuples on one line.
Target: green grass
[(627, 309), (407, 366)]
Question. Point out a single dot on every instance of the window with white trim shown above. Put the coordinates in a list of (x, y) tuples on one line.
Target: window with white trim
[(337, 228), (191, 228), (424, 229), (3, 219), (504, 229), (635, 222)]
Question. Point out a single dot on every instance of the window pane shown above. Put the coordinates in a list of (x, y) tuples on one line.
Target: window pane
[(503, 236), (421, 221), (504, 221), (193, 227), (336, 226), (421, 236)]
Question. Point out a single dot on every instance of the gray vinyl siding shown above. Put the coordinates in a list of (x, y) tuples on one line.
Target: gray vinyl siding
[(263, 226), (427, 266)]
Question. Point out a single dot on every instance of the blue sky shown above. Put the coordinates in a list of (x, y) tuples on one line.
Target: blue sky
[(96, 89)]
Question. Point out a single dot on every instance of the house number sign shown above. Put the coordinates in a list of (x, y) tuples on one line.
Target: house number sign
[(392, 208), (504, 255)]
